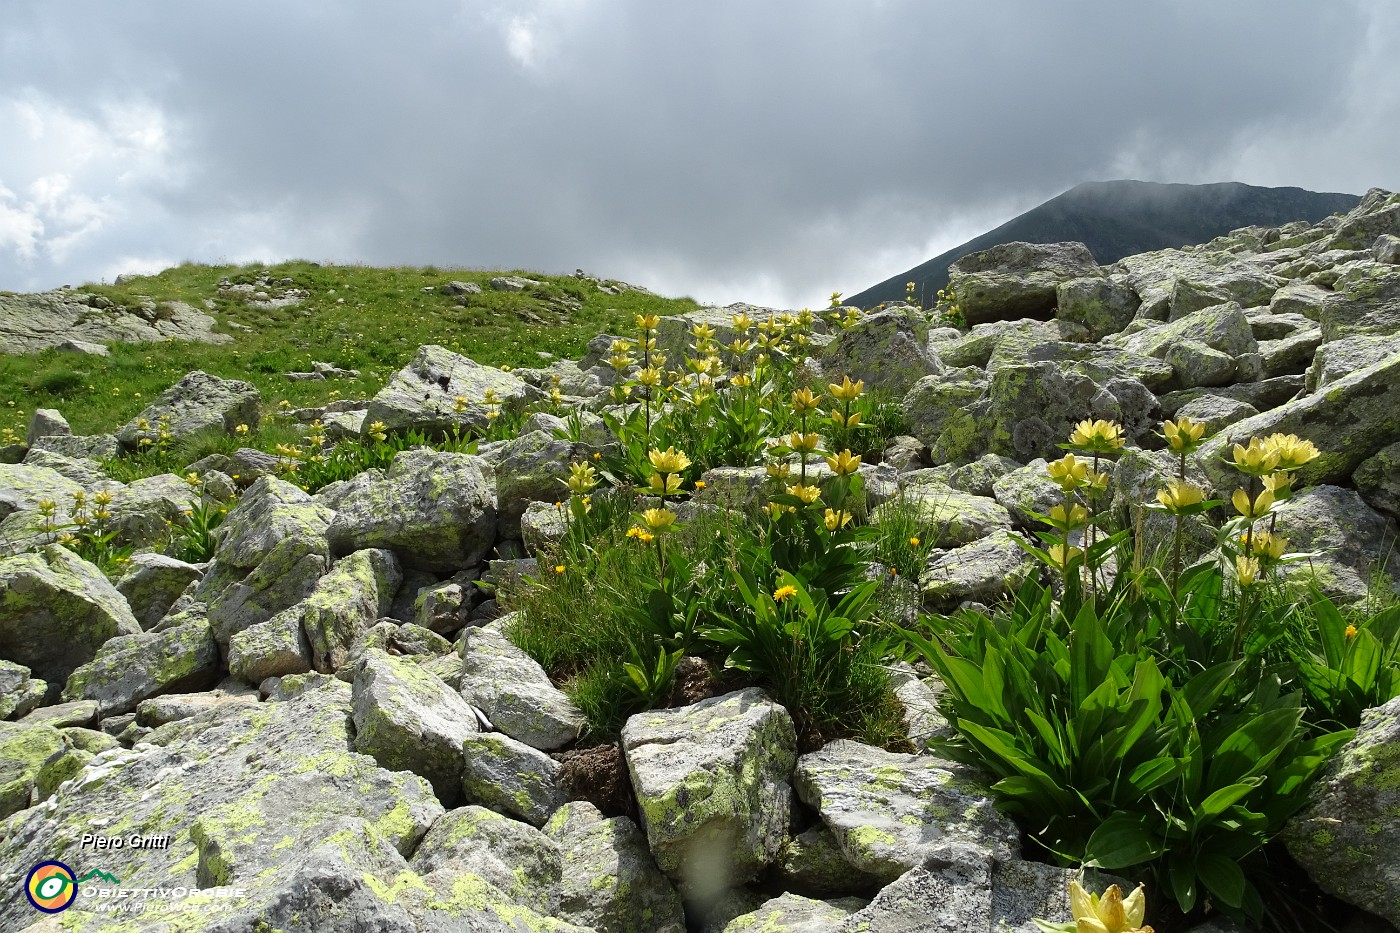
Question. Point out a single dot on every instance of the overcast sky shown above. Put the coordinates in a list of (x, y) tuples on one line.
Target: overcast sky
[(770, 151)]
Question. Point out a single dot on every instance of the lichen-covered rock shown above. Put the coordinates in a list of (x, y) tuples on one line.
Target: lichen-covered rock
[(244, 792), (408, 720), (1102, 305), (271, 550), (273, 648), (950, 518), (1338, 359), (132, 668), (1015, 280), (891, 812), (1034, 406), (1196, 364), (1291, 354), (95, 447), (23, 750), (952, 894), (897, 338), (1347, 836), (356, 591), (84, 472), (422, 396), (56, 611), (153, 582), (1223, 328), (511, 777), (712, 787), (978, 477), (1367, 301), (19, 692), (532, 467), (22, 486), (408, 641), (923, 722), (1378, 480), (89, 740), (813, 861), (515, 693), (609, 880), (1026, 490), (196, 403), (1263, 395), (1354, 540), (542, 525), (793, 913), (434, 510), (944, 414), (59, 767), (173, 707), (517, 858), (1216, 411), (1349, 421), (982, 572)]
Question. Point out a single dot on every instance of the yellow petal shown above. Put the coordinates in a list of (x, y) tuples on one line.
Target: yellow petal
[(1135, 907)]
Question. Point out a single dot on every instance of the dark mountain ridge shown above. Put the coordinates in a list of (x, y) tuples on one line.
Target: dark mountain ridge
[(1121, 218)]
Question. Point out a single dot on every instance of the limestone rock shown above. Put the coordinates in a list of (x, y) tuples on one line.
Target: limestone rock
[(56, 611), (198, 402), (711, 784), (511, 777), (434, 510), (515, 693)]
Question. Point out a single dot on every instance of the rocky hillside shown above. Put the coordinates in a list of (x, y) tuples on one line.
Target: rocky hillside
[(1122, 218), (327, 726)]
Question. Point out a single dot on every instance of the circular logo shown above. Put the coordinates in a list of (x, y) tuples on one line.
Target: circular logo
[(51, 887)]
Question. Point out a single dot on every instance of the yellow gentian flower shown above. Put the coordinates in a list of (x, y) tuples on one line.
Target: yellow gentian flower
[(668, 461), (1180, 495), (843, 463)]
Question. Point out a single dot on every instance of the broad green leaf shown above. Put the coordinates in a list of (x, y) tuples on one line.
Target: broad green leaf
[(1205, 689), (1182, 871), (1221, 800), (1153, 774), (1252, 748), (1223, 878), (1124, 840)]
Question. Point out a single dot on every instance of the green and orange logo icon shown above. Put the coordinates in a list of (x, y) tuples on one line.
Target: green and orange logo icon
[(51, 887)]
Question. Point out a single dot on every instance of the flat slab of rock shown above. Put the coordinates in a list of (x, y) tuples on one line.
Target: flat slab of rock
[(891, 812), (515, 693), (792, 913), (132, 668), (712, 786), (29, 323), (243, 792)]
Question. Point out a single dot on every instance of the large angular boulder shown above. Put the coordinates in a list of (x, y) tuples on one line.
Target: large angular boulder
[(891, 812), (198, 402), (1103, 305), (1367, 302), (1378, 480), (435, 510), (1015, 280), (510, 777), (271, 551), (408, 720), (132, 668), (1222, 328), (983, 571), (1350, 421), (945, 413), (1034, 407), (950, 517), (524, 863), (23, 486), (514, 691), (273, 648), (888, 350), (23, 750), (712, 786), (345, 603), (609, 880), (532, 467), (793, 913), (1377, 214), (152, 583), (423, 395), (1337, 359), (1346, 838), (244, 794), (56, 611), (19, 692), (1354, 541)]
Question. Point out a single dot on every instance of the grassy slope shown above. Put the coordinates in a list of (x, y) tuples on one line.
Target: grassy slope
[(358, 317)]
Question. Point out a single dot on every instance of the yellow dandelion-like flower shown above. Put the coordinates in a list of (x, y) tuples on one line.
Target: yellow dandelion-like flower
[(241, 430), (559, 568), (1350, 631), (914, 542), (700, 484), (783, 592)]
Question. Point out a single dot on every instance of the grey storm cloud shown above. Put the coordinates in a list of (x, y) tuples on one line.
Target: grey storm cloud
[(732, 149)]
